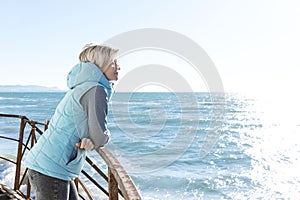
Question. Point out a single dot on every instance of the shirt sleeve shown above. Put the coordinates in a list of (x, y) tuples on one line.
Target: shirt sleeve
[(95, 103)]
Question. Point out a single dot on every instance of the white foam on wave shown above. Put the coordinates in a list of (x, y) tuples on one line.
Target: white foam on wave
[(7, 173), (7, 98), (17, 106)]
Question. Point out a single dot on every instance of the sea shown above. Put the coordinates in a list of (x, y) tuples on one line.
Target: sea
[(186, 145)]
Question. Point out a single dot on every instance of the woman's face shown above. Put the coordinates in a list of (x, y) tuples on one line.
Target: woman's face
[(111, 72)]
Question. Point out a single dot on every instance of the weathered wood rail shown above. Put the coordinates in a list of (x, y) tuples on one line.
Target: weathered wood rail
[(119, 182)]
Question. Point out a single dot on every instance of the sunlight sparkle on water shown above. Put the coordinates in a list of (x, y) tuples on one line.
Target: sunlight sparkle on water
[(275, 149)]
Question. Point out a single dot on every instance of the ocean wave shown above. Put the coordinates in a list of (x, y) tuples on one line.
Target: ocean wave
[(7, 172), (17, 106), (7, 98)]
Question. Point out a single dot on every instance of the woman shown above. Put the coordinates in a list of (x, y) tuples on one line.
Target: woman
[(78, 124)]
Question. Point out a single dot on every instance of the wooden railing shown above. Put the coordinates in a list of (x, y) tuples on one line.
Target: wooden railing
[(119, 182), (117, 176)]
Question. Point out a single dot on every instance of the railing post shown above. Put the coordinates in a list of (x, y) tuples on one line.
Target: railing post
[(19, 154), (76, 183), (112, 186), (28, 189), (46, 124)]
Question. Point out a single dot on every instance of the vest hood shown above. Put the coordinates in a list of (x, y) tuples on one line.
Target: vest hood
[(86, 72)]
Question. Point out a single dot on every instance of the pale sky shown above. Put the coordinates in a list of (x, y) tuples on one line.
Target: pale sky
[(254, 44)]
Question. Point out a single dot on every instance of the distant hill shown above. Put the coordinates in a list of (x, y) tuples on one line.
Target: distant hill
[(28, 88)]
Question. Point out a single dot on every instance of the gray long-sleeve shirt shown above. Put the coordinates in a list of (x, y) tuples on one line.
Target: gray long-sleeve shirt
[(95, 103)]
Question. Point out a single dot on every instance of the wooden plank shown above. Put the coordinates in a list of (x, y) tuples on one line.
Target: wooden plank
[(124, 181), (113, 189)]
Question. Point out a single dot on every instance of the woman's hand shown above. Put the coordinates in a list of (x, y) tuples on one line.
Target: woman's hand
[(86, 144)]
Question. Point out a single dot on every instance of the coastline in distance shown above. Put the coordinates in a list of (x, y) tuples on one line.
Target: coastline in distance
[(28, 88)]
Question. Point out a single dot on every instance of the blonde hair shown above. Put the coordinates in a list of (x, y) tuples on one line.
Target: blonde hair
[(100, 55)]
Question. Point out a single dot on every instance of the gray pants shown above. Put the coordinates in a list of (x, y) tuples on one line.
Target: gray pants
[(50, 188)]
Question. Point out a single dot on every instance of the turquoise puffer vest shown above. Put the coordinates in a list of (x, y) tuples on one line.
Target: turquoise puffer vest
[(55, 154)]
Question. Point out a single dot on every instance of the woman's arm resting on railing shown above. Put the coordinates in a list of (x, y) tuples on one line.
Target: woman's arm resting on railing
[(95, 103)]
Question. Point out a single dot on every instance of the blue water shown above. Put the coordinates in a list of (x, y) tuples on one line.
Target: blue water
[(186, 145)]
